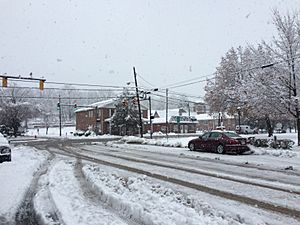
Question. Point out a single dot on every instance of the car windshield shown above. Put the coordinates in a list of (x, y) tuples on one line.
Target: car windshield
[(231, 134)]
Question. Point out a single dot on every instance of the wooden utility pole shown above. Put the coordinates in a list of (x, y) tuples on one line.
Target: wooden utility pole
[(59, 112), (167, 106), (138, 100), (151, 127)]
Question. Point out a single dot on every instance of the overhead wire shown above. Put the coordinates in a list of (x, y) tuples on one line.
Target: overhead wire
[(49, 97), (236, 72), (121, 88)]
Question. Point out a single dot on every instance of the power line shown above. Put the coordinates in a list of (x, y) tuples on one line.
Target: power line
[(48, 97), (65, 89), (177, 99), (197, 78), (73, 84), (236, 72)]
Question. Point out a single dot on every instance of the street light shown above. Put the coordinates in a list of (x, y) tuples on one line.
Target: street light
[(239, 114)]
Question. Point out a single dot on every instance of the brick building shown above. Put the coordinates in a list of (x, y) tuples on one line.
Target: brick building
[(96, 117)]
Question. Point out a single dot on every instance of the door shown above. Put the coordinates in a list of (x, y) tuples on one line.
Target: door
[(213, 141), (201, 143)]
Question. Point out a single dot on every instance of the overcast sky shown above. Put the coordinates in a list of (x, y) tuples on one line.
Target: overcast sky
[(99, 41)]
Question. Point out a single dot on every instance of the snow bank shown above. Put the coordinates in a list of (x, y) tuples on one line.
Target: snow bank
[(15, 179), (171, 142), (274, 152), (149, 203), (183, 143), (73, 204)]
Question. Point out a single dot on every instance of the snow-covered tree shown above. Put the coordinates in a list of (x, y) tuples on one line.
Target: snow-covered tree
[(14, 109), (125, 120), (261, 80), (286, 48)]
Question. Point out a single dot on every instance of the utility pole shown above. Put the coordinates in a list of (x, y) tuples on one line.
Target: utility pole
[(138, 100), (167, 122), (97, 120), (151, 128), (59, 112)]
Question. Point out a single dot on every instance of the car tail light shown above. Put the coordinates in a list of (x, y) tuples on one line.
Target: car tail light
[(233, 142)]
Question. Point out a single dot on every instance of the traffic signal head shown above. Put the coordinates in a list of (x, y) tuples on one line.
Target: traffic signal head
[(58, 106), (42, 85), (4, 81), (125, 102), (75, 106)]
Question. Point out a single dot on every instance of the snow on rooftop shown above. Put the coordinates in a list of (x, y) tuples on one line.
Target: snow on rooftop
[(110, 103), (3, 141), (175, 112)]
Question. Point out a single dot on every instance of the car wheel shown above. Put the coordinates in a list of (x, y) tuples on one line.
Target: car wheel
[(192, 147), (220, 149)]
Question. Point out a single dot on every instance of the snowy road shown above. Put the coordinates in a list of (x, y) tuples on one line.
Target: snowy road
[(137, 184)]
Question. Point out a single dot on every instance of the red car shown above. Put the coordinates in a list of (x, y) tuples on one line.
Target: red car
[(220, 142)]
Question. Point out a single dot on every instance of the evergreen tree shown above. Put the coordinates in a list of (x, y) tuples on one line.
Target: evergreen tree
[(125, 120)]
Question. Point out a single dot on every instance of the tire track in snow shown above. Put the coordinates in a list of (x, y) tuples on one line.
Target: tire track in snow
[(26, 213), (243, 199), (199, 158), (92, 196), (161, 163), (239, 198)]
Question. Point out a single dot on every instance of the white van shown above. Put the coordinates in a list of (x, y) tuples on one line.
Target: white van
[(244, 129)]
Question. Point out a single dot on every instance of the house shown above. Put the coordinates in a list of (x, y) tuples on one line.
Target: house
[(97, 116), (180, 121), (212, 121)]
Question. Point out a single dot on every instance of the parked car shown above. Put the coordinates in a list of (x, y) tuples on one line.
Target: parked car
[(220, 142), (245, 129), (5, 151)]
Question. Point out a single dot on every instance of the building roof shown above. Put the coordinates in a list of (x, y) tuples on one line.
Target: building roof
[(175, 112), (108, 104)]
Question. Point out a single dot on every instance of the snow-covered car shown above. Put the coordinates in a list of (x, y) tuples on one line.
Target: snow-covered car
[(5, 151), (245, 129), (220, 142)]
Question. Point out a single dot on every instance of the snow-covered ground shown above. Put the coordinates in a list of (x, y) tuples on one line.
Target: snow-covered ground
[(52, 132), (16, 177), (66, 133), (182, 142), (75, 192)]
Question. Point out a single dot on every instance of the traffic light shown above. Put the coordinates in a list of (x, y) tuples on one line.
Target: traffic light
[(58, 106), (4, 81), (75, 106), (125, 102), (42, 85), (134, 100)]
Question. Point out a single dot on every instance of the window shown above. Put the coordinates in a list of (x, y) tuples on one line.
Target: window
[(91, 114), (215, 135), (205, 136)]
